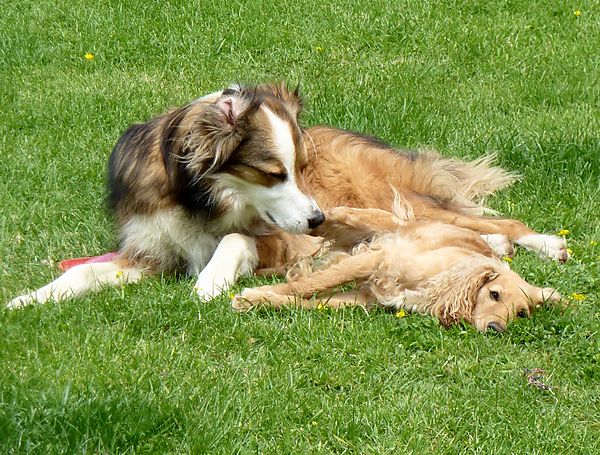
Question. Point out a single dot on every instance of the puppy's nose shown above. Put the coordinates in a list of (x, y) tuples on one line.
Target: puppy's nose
[(496, 327), (316, 219)]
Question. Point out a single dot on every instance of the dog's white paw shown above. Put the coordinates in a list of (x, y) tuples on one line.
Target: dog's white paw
[(546, 246), (207, 291), (500, 244), (208, 286), (20, 302)]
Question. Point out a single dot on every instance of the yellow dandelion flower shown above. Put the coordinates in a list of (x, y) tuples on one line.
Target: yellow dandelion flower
[(564, 232), (400, 314), (319, 49), (89, 56), (577, 13), (119, 274), (578, 297), (320, 306), (593, 242), (570, 251), (507, 259), (231, 295)]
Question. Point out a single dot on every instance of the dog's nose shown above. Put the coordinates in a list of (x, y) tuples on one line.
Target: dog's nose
[(316, 219), (496, 327)]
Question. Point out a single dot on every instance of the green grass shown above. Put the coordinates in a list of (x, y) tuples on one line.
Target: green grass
[(149, 369)]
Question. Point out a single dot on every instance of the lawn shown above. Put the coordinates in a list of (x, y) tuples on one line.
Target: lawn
[(150, 369)]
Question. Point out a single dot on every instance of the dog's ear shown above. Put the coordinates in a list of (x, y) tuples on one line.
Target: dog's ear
[(232, 106), (293, 98), (218, 129)]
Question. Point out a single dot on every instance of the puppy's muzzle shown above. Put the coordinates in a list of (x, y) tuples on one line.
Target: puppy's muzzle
[(495, 327)]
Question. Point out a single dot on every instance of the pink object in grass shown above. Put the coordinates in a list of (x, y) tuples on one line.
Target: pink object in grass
[(70, 263)]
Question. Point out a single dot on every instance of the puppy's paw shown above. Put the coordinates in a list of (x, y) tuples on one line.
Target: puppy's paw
[(546, 246), (241, 304), (250, 298), (552, 297), (500, 244)]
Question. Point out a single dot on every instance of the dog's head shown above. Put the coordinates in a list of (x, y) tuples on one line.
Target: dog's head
[(247, 142), (485, 293)]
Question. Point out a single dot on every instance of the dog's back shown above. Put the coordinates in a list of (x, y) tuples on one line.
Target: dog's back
[(354, 170)]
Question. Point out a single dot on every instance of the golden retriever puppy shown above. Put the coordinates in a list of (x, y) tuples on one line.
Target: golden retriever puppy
[(428, 267)]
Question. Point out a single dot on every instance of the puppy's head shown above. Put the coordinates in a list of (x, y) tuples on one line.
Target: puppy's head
[(505, 296), (248, 142), (485, 293)]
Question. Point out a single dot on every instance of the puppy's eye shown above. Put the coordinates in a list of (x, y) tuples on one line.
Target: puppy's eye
[(495, 295), (522, 314)]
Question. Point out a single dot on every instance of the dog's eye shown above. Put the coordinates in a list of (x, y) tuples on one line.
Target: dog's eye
[(522, 314), (280, 175), (495, 295)]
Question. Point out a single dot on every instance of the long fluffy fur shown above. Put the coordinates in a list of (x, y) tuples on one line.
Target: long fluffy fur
[(466, 184), (451, 295), (428, 267), (424, 175)]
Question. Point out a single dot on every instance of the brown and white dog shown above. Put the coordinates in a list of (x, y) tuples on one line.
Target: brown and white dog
[(194, 186), (429, 267)]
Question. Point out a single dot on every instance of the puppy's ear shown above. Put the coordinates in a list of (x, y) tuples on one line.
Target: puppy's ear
[(452, 294)]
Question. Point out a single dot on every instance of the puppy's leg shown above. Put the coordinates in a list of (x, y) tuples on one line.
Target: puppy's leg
[(235, 255), (357, 267), (500, 244), (250, 298), (546, 246), (81, 280)]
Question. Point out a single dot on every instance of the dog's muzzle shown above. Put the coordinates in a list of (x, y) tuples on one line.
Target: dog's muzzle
[(316, 219)]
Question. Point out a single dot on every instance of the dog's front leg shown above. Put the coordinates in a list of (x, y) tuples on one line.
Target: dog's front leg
[(235, 255)]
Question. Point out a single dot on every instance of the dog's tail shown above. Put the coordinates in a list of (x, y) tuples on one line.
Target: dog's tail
[(464, 184)]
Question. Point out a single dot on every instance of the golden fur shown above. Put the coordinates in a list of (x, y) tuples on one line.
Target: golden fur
[(424, 266), (347, 169)]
